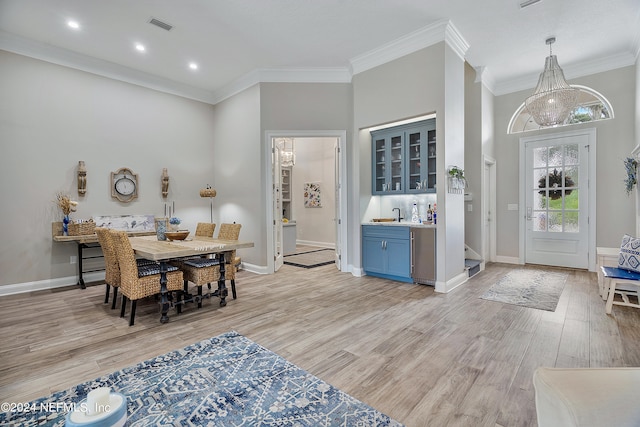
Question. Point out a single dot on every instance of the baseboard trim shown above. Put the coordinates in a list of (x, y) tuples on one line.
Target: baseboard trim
[(319, 244), (258, 269), (43, 285), (508, 259), (449, 285)]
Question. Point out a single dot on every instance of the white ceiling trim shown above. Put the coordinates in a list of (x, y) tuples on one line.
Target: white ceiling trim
[(55, 55), (570, 71), (412, 42), (283, 75), (454, 39)]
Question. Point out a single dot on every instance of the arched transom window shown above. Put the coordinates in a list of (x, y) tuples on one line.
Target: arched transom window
[(592, 106)]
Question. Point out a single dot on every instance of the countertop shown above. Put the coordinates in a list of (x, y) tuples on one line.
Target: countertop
[(401, 224)]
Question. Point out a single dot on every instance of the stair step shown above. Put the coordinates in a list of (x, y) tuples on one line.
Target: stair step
[(473, 266)]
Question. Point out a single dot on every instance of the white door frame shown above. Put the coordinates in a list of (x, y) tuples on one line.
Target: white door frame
[(591, 134), (341, 135), (489, 205)]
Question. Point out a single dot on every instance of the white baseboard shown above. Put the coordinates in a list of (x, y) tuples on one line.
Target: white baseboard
[(357, 271), (508, 259), (42, 285), (449, 285), (258, 269), (320, 244)]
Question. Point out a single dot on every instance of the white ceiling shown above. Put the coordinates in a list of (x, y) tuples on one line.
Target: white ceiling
[(239, 42)]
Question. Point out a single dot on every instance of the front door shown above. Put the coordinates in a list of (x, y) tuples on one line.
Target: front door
[(557, 200)]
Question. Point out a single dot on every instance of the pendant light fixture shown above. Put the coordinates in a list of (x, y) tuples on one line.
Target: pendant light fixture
[(287, 154), (554, 98), (210, 193)]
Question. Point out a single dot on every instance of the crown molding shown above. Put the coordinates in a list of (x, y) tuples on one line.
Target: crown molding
[(424, 37), (572, 71), (483, 75), (283, 75), (455, 40), (55, 55)]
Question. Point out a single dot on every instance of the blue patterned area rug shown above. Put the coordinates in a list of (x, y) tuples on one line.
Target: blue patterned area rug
[(531, 288), (227, 381)]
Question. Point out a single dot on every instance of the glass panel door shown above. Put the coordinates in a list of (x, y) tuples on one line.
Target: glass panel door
[(557, 202)]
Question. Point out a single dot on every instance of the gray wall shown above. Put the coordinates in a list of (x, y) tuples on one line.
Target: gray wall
[(52, 117), (430, 80), (615, 141), (310, 106), (410, 86), (473, 158), (237, 169)]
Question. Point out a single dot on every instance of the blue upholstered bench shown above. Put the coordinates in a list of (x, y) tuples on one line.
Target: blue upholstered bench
[(623, 282)]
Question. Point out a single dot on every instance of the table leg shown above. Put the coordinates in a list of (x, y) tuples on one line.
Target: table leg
[(80, 278), (164, 318), (222, 287)]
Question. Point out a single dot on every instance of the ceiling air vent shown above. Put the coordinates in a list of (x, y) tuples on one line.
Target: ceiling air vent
[(526, 3), (160, 24)]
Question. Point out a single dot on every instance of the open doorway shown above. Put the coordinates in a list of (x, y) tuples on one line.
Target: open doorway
[(306, 196)]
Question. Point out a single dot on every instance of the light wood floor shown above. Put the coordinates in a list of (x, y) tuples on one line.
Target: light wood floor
[(420, 357)]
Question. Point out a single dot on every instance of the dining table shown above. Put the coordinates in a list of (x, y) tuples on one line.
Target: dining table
[(164, 251)]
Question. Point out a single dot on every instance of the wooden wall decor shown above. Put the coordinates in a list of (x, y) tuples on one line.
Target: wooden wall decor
[(82, 178), (165, 183)]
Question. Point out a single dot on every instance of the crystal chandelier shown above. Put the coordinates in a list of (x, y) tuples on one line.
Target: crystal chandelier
[(553, 99), (287, 156)]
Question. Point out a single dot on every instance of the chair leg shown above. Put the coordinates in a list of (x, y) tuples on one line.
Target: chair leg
[(133, 312), (123, 305), (612, 291), (179, 302), (233, 289), (115, 297), (106, 295), (199, 296), (186, 286)]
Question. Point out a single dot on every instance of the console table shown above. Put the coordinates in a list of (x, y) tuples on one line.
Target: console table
[(87, 241)]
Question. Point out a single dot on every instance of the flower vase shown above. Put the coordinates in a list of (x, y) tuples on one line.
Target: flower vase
[(65, 225), (160, 230)]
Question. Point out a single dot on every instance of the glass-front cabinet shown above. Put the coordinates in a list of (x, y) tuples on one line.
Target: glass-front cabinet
[(404, 159), (388, 166)]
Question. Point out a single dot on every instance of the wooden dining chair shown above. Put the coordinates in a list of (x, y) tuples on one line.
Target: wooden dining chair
[(204, 271), (140, 281), (205, 229), (112, 270), (231, 232)]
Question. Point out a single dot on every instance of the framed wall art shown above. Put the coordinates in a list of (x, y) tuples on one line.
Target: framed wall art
[(312, 195)]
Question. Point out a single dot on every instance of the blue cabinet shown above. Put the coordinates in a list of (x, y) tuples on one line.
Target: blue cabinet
[(404, 159), (386, 252)]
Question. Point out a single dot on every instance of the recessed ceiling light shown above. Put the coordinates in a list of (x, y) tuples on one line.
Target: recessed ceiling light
[(73, 24), (193, 65), (140, 47)]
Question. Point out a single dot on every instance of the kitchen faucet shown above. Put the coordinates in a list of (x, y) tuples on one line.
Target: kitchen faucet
[(399, 218)]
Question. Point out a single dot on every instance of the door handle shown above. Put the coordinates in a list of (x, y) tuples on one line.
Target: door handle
[(413, 250), (529, 213)]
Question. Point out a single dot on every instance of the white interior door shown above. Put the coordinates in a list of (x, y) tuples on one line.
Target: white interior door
[(557, 200), (488, 213), (277, 206)]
